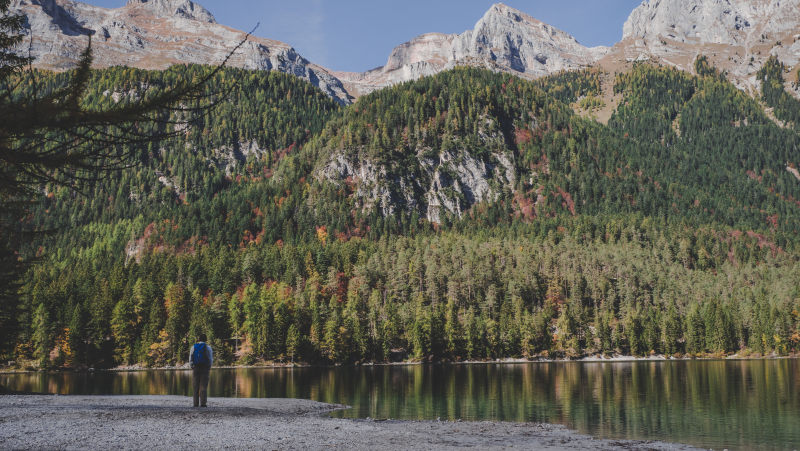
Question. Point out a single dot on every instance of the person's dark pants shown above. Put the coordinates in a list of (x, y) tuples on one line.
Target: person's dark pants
[(200, 385)]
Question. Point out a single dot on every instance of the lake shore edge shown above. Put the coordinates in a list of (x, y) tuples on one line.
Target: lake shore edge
[(140, 422), (509, 361)]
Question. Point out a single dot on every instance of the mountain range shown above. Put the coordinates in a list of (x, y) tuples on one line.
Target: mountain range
[(736, 35)]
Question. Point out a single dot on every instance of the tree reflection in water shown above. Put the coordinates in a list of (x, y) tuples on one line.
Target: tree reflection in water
[(751, 403)]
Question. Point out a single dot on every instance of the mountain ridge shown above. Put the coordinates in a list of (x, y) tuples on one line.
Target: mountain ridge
[(503, 39), (155, 34), (736, 35)]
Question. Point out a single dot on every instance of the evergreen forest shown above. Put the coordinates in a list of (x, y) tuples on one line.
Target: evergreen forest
[(674, 229)]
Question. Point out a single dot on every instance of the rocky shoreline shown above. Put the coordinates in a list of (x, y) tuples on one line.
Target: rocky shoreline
[(168, 422)]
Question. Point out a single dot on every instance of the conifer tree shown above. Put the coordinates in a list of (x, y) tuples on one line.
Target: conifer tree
[(52, 137)]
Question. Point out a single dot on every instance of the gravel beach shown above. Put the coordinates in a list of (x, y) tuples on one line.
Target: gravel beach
[(167, 422)]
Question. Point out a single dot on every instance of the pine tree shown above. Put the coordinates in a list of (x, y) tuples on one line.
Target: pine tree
[(42, 336), (293, 342), (177, 323), (671, 330), (453, 330), (124, 327), (335, 336), (695, 331), (354, 324), (78, 336), (567, 326), (420, 333)]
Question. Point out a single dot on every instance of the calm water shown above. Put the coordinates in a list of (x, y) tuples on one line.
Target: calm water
[(713, 404)]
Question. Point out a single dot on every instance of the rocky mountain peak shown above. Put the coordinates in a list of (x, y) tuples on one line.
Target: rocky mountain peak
[(504, 39), (422, 48), (736, 35), (181, 8), (154, 34), (501, 10), (500, 13), (523, 43)]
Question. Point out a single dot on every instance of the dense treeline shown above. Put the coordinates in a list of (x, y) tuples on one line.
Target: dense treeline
[(611, 285), (671, 230)]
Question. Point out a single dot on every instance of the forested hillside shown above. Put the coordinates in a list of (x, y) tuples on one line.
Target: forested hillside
[(468, 215)]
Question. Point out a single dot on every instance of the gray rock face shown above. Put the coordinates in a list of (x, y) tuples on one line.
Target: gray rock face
[(504, 39), (736, 35), (180, 8), (232, 156), (729, 22), (439, 183), (154, 34)]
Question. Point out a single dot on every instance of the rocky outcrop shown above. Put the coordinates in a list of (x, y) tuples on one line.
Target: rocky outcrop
[(736, 35), (228, 158), (180, 8), (154, 34), (504, 39), (729, 22), (438, 183)]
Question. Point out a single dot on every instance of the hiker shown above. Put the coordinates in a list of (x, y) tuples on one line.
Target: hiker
[(201, 358)]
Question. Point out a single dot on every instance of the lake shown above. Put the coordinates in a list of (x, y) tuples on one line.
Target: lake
[(751, 404)]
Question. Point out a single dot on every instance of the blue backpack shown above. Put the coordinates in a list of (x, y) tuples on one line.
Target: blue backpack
[(200, 355)]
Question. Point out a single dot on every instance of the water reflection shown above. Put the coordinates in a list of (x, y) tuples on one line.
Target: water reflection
[(738, 404)]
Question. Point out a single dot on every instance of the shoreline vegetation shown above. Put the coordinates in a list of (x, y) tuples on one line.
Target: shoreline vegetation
[(506, 361)]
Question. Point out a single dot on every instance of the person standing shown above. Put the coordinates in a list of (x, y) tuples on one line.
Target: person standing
[(201, 359)]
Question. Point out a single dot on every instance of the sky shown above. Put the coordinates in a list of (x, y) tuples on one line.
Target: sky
[(357, 35)]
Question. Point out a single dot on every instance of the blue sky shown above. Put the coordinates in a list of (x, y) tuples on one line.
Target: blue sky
[(356, 35)]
